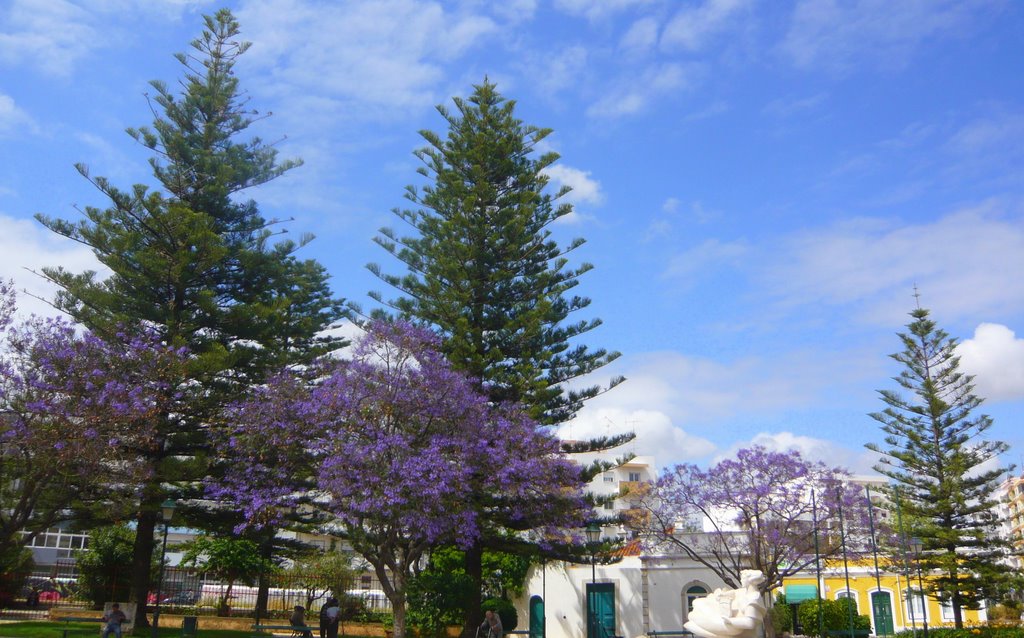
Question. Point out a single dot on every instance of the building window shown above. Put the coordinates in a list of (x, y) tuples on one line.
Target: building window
[(608, 478), (915, 607), (947, 611), (634, 476)]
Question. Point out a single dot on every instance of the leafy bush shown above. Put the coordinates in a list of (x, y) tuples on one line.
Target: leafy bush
[(835, 615), (968, 632), (436, 600), (14, 569), (781, 615), (105, 567)]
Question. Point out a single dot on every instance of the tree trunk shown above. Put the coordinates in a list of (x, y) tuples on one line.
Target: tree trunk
[(474, 569), (263, 586), (142, 559)]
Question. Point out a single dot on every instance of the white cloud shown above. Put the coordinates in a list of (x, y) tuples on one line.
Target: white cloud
[(556, 72), (54, 36), (656, 434), (634, 94), (584, 189), (709, 255), (965, 263), (641, 36), (596, 9), (26, 246), (783, 108), (995, 356), (376, 57), (515, 10), (51, 35), (700, 390), (812, 449), (839, 35), (13, 119), (693, 27)]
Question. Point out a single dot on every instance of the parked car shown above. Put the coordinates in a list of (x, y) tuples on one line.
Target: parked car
[(46, 590), (187, 597)]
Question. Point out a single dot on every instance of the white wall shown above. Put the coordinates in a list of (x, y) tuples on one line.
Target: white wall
[(563, 587)]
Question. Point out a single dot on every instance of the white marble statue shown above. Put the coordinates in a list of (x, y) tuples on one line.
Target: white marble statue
[(730, 613)]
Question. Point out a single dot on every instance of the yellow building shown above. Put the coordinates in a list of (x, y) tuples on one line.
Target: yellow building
[(887, 606)]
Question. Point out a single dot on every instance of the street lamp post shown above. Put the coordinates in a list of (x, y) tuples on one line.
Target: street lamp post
[(593, 538), (917, 545), (166, 513)]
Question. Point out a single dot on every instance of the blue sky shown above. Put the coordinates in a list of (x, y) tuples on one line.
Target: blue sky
[(761, 183)]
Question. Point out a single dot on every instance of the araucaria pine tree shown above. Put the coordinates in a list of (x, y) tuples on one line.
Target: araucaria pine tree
[(485, 272), (195, 261), (944, 473)]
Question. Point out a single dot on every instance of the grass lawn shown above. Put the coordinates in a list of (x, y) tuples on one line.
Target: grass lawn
[(50, 629)]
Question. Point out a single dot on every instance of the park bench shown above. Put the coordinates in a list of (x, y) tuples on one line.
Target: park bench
[(670, 632)]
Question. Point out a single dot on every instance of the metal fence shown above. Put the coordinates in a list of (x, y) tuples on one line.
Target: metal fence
[(192, 593)]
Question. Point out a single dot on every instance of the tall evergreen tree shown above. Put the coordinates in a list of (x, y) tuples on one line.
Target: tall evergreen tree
[(484, 270), (198, 263), (944, 474)]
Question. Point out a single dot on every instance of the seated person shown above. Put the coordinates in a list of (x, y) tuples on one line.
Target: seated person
[(113, 621), (298, 619)]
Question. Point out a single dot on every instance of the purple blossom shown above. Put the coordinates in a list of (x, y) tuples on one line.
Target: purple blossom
[(392, 444), (754, 510)]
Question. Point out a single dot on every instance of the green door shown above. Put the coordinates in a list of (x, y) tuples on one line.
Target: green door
[(600, 610), (536, 617), (881, 609)]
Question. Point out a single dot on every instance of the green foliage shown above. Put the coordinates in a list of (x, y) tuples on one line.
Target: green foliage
[(438, 593), (105, 566), (944, 472), (195, 260), (967, 632), (835, 616), (483, 268), (484, 271), (326, 573), (505, 610), (15, 567), (781, 615), (228, 559)]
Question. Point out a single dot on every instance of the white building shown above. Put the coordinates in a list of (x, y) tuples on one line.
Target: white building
[(634, 596)]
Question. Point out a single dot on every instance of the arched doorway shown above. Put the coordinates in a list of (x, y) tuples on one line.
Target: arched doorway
[(881, 613), (536, 617)]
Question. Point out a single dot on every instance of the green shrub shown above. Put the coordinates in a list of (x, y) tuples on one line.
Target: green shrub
[(834, 616), (781, 615), (105, 567), (14, 569)]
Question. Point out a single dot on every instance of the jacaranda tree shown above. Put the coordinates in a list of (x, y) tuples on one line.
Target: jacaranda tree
[(754, 511), (71, 407), (396, 440)]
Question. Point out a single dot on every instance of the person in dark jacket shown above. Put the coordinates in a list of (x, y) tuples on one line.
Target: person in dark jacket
[(329, 616)]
